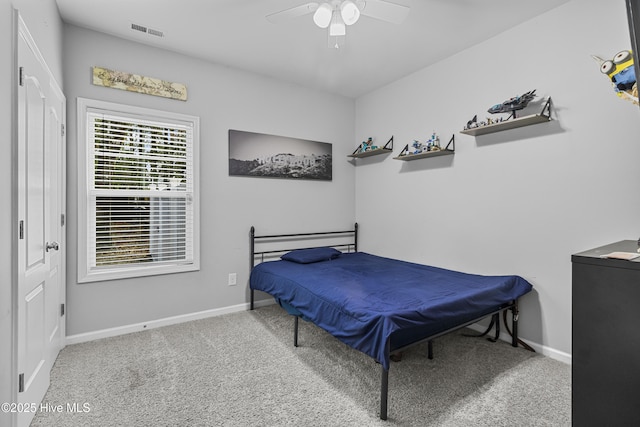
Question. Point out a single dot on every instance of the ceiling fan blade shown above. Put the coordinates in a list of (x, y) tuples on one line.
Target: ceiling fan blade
[(293, 12), (383, 10)]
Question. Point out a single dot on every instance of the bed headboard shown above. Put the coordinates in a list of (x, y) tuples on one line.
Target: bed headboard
[(273, 245)]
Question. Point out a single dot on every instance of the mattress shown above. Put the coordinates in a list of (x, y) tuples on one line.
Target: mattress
[(376, 304)]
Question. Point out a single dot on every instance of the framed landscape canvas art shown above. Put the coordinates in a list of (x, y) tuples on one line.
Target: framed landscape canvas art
[(261, 155)]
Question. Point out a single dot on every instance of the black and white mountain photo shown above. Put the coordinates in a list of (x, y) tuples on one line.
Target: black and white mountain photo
[(261, 155)]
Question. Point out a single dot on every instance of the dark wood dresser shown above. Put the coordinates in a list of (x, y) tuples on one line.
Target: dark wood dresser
[(606, 337)]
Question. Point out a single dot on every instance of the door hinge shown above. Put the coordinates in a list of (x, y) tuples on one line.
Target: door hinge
[(61, 309), (21, 230), (62, 129), (21, 76), (20, 383), (62, 220)]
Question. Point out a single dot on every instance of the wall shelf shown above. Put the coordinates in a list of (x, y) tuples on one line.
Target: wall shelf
[(358, 153), (544, 116), (442, 152), (370, 153)]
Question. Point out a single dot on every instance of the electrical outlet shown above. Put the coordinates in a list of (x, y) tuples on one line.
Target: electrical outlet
[(233, 279)]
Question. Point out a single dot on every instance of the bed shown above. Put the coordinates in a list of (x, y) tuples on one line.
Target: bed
[(377, 305)]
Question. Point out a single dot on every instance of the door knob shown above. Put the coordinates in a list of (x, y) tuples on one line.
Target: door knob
[(53, 245)]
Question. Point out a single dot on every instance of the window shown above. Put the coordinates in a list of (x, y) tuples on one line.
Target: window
[(138, 191)]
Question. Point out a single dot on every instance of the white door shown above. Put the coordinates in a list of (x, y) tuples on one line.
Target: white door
[(55, 296), (40, 329)]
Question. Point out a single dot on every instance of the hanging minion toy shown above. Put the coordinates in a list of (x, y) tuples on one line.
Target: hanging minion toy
[(622, 74)]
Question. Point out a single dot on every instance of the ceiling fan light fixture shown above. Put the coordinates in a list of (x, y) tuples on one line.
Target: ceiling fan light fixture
[(349, 12), (337, 27), (322, 16)]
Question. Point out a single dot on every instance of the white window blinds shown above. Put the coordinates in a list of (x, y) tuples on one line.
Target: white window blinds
[(140, 194)]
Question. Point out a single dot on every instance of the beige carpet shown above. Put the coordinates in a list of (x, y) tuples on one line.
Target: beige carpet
[(241, 369)]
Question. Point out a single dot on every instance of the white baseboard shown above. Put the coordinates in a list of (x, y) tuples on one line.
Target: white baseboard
[(539, 348), (127, 329)]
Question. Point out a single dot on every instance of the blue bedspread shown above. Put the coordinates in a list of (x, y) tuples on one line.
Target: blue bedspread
[(365, 300)]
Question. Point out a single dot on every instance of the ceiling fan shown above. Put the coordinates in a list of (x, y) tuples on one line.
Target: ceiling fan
[(337, 14)]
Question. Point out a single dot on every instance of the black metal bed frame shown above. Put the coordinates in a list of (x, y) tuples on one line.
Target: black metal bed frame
[(384, 380)]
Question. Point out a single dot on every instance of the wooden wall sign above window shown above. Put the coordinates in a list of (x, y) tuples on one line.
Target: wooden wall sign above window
[(137, 83)]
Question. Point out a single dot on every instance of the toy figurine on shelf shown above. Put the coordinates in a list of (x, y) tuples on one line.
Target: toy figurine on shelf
[(431, 147), (510, 106), (433, 143), (368, 145), (514, 104), (418, 147), (473, 123)]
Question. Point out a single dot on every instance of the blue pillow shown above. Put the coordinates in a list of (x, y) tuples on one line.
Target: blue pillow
[(307, 256)]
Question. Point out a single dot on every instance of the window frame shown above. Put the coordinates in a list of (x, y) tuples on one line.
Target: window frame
[(85, 272)]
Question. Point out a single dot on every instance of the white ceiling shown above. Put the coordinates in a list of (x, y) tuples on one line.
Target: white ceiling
[(235, 33)]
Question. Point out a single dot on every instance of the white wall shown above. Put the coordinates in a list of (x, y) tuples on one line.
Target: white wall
[(224, 99), (46, 28), (517, 202)]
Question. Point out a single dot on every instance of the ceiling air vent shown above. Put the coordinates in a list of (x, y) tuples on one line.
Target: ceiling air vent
[(138, 28), (155, 32), (146, 30)]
